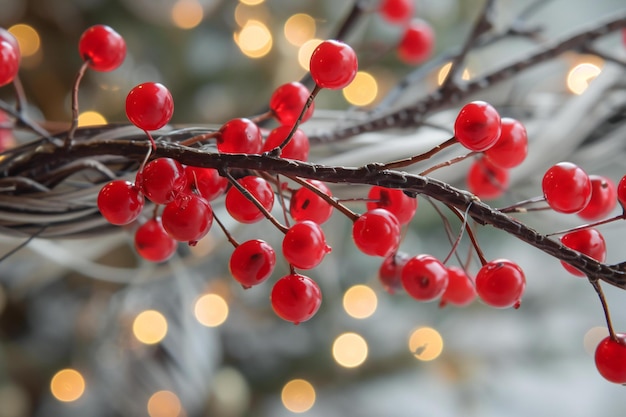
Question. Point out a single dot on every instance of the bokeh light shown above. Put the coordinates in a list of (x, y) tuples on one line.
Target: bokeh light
[(305, 51), (67, 385), (426, 344), (360, 301), (299, 28), (91, 118), (443, 73), (164, 404), (362, 91), (579, 77), (254, 39), (211, 310), (251, 2), (27, 37), (350, 350), (593, 337), (298, 396), (187, 14), (150, 327)]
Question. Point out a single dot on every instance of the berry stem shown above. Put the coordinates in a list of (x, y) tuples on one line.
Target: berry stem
[(421, 157), (448, 163), (74, 125), (281, 198), (228, 235), (308, 103), (455, 245), (330, 200), (589, 225), (595, 283), (519, 207), (470, 232), (20, 96), (447, 227), (199, 138)]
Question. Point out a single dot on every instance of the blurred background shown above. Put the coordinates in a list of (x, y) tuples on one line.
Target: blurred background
[(88, 329)]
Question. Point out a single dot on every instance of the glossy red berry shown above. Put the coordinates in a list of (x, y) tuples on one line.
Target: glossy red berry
[(205, 181), (297, 148), (603, 198), (149, 106), (587, 241), (307, 205), (424, 278), (304, 245), (287, 103), (396, 11), (477, 126), (610, 358), (188, 218), (244, 210), (162, 179), (621, 192), (239, 136), (460, 291), (500, 283), (252, 262), (333, 64), (376, 232), (153, 243), (417, 42), (10, 57), (511, 148), (393, 200), (120, 202), (295, 298), (566, 187), (389, 273), (102, 48), (486, 180)]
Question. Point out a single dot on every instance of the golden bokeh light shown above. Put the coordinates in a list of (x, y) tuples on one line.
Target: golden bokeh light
[(67, 385), (305, 51), (350, 350), (187, 14), (211, 310), (579, 77), (164, 404), (299, 28), (298, 396), (150, 327), (426, 344), (593, 337), (360, 301), (362, 91), (254, 39), (27, 37), (251, 2), (91, 118), (443, 73)]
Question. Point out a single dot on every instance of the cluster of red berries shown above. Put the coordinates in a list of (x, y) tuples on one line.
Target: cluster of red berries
[(10, 57)]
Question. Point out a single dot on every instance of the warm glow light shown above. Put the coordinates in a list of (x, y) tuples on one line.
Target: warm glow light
[(299, 28), (426, 344), (579, 77), (203, 247), (164, 404), (350, 350), (251, 2), (211, 310), (254, 39), (27, 37), (187, 14), (298, 396), (91, 118), (593, 337), (360, 301), (67, 385), (362, 90), (443, 72), (305, 52), (150, 327)]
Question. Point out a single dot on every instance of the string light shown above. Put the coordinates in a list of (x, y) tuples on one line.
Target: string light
[(593, 337), (254, 39), (67, 385), (426, 344), (443, 73), (251, 2), (187, 14), (299, 28), (360, 301), (211, 310), (362, 90), (579, 77), (91, 118), (298, 396), (150, 327), (305, 52), (164, 404), (350, 350), (27, 38)]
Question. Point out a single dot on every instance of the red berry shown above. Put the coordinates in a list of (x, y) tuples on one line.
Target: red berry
[(587, 241), (162, 180), (205, 181), (244, 210), (153, 243), (396, 11), (460, 290), (566, 187), (10, 57), (511, 148), (486, 180), (333, 64), (500, 283), (621, 192), (297, 148), (477, 126), (239, 136), (295, 298), (393, 200), (287, 103), (390, 271), (424, 278), (610, 358), (417, 42), (5, 35), (188, 218), (252, 262), (306, 205), (149, 106), (103, 48), (603, 198), (376, 232), (304, 245), (120, 202)]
